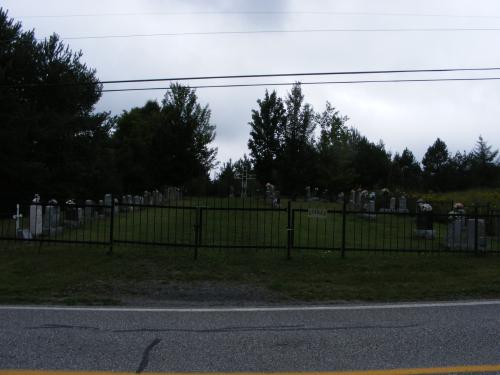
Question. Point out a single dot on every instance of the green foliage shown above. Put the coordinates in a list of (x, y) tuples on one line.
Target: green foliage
[(436, 166), (266, 135), (334, 151), (51, 141), (484, 164), (167, 144), (298, 158), (405, 171)]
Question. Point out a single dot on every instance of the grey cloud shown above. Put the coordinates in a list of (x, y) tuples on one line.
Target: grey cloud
[(402, 115)]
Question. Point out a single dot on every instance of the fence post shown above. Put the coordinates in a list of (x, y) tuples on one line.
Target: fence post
[(111, 226), (344, 207), (476, 249), (289, 231)]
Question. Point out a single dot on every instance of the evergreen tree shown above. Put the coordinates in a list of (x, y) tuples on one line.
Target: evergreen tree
[(166, 145), (266, 136), (51, 140), (406, 172), (436, 163), (334, 153), (297, 162), (484, 164)]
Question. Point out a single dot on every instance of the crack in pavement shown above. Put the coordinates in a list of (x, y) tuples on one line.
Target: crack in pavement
[(63, 326), (283, 328), (145, 355)]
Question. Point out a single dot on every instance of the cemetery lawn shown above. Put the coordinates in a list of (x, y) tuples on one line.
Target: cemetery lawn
[(82, 275)]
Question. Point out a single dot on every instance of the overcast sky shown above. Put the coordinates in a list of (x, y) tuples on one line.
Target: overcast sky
[(401, 114)]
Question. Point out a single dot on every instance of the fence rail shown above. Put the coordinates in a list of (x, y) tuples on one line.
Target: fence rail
[(292, 227)]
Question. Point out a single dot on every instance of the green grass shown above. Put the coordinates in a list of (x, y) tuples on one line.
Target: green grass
[(85, 275)]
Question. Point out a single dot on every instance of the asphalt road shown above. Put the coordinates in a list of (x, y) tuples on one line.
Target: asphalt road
[(252, 340)]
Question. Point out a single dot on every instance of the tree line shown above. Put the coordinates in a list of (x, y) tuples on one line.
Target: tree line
[(292, 146), (54, 142)]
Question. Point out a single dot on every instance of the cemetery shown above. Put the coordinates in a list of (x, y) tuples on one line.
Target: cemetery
[(361, 220)]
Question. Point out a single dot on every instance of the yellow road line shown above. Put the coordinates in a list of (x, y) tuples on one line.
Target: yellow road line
[(409, 371)]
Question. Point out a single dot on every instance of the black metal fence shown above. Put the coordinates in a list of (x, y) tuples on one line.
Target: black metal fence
[(252, 224)]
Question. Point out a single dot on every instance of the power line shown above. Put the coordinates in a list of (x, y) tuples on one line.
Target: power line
[(336, 13), (284, 31), (308, 83), (272, 75)]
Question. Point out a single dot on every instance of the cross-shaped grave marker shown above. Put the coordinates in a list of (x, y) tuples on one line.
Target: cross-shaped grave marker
[(16, 217), (244, 177)]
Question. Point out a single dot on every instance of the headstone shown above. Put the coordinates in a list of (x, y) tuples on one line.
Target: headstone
[(137, 201), (80, 215), (392, 204), (100, 208), (325, 195), (72, 217), (308, 193), (130, 201), (371, 206), (52, 218), (402, 205), (270, 194), (123, 205), (471, 234), (455, 235), (424, 221), (36, 219), (147, 197), (341, 197), (357, 202), (108, 198), (89, 209), (276, 200), (24, 234)]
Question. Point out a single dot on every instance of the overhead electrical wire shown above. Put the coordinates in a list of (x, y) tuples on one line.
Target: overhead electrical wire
[(307, 83), (265, 12), (270, 75), (285, 31)]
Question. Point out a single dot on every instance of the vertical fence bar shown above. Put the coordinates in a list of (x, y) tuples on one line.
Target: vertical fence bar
[(476, 248), (344, 206), (200, 234), (289, 231), (197, 231), (111, 226)]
